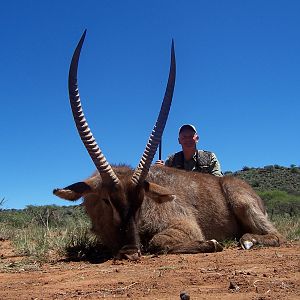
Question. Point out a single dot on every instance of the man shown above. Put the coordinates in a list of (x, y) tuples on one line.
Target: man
[(191, 159)]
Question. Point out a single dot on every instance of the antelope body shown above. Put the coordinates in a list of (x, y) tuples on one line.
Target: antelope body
[(162, 209)]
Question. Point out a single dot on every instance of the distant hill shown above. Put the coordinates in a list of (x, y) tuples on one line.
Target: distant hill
[(271, 177)]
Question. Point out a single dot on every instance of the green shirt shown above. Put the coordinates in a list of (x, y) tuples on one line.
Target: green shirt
[(202, 161)]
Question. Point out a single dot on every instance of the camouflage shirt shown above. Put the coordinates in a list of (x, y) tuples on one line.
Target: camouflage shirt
[(202, 161)]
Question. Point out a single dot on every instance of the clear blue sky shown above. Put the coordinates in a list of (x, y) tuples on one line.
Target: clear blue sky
[(238, 82)]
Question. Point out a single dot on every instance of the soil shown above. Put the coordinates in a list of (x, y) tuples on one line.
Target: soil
[(261, 273)]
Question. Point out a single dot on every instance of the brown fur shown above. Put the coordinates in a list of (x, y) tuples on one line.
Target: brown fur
[(174, 211)]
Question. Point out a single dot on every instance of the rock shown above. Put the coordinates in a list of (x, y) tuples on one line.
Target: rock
[(184, 296), (233, 286)]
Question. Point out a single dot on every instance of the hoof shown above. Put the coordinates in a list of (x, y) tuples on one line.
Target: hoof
[(246, 245), (133, 254), (217, 245)]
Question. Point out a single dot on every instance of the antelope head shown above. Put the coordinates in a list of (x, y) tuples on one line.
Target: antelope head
[(113, 202)]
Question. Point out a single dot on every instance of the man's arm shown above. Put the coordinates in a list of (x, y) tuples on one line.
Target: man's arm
[(215, 166), (169, 161)]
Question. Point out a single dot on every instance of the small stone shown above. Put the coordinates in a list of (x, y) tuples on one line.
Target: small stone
[(184, 296), (233, 286)]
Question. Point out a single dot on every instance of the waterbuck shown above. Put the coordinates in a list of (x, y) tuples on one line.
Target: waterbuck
[(162, 209)]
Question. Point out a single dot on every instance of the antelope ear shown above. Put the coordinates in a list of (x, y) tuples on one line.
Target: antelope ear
[(158, 193), (77, 190), (72, 192)]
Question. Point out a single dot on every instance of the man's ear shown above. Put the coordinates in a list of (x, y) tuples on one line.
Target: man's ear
[(158, 193)]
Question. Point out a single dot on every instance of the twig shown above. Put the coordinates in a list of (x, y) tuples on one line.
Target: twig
[(110, 290), (118, 289), (257, 281)]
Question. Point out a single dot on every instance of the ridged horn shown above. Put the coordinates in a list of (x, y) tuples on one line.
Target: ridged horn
[(84, 131), (142, 170)]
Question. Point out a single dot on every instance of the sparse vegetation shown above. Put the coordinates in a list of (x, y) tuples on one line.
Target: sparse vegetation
[(288, 226), (45, 232)]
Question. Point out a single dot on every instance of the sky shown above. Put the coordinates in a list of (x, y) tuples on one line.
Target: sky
[(238, 82)]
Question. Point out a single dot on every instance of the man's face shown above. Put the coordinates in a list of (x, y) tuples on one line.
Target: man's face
[(188, 138)]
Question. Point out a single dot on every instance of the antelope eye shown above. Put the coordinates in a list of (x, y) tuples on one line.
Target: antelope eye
[(106, 201)]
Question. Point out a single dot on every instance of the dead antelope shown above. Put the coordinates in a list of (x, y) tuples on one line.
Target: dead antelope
[(161, 209)]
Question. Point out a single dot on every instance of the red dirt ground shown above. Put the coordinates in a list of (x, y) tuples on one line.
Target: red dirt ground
[(263, 273)]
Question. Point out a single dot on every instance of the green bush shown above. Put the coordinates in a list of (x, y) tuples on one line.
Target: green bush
[(295, 170), (280, 202), (272, 178), (245, 168), (269, 167)]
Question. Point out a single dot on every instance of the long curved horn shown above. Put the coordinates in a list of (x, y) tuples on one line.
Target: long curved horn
[(142, 170), (84, 131)]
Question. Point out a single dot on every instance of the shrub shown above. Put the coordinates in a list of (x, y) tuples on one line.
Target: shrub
[(269, 167), (245, 168), (280, 202), (295, 170), (228, 173)]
